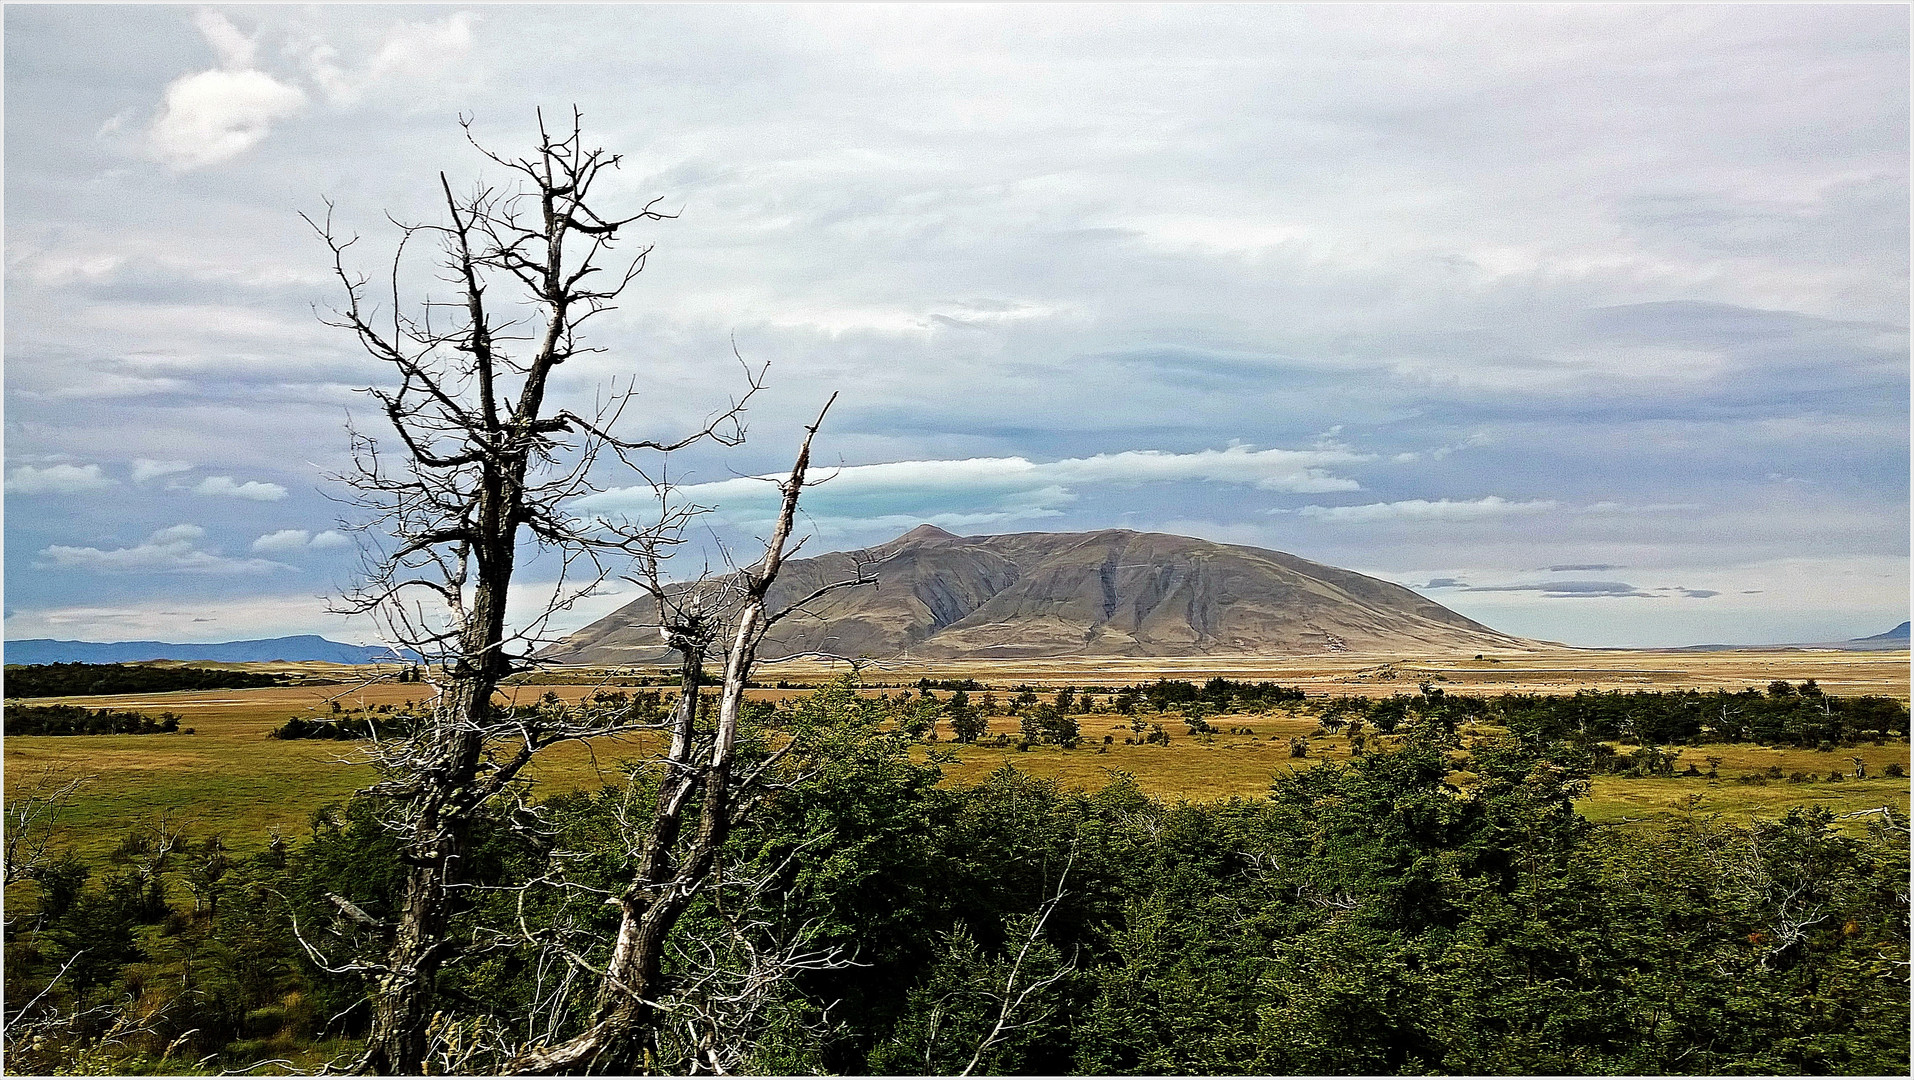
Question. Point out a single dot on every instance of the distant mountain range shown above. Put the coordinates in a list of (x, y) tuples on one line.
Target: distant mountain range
[(1109, 593), (300, 648), (1896, 638)]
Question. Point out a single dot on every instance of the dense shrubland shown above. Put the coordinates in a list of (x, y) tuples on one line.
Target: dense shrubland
[(75, 720), (1366, 917)]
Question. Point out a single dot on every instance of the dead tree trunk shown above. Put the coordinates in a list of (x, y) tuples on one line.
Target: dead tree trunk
[(484, 465), (672, 869)]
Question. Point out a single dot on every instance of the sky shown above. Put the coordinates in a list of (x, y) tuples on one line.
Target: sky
[(1588, 322)]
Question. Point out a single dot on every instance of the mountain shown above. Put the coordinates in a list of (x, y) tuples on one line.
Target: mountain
[(1896, 638), (1893, 639), (299, 648), (1109, 593)]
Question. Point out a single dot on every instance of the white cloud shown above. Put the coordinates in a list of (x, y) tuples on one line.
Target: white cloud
[(979, 491), (145, 469), (54, 268), (234, 47), (256, 490), (170, 550), (57, 480), (285, 540), (187, 620), (215, 116), (409, 49), (1493, 506), (1607, 507)]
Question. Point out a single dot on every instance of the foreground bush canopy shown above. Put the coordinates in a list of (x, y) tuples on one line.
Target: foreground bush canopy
[(1365, 917)]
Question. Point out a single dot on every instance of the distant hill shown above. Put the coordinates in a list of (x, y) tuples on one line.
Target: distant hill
[(1898, 635), (1109, 593), (300, 648), (1896, 638)]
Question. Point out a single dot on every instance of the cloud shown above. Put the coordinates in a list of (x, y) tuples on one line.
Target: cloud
[(287, 540), (410, 49), (1607, 507), (234, 47), (1568, 567), (215, 116), (190, 620), (170, 550), (1585, 589), (283, 540), (57, 480), (1445, 583), (1493, 506), (255, 490), (974, 491), (1569, 589), (56, 269), (145, 469)]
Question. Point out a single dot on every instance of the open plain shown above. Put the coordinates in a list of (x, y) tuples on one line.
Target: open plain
[(228, 778)]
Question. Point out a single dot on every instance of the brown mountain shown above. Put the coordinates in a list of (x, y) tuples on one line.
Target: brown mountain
[(1109, 593)]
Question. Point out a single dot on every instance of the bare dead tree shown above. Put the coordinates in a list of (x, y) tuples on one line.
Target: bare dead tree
[(31, 818), (701, 790), (483, 466)]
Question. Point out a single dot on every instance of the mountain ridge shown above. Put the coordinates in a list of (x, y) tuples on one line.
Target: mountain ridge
[(294, 648), (1887, 641), (1113, 592)]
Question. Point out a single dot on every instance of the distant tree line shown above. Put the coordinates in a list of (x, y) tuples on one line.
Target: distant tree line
[(1218, 695), (64, 680), (75, 720), (1785, 715), (613, 708)]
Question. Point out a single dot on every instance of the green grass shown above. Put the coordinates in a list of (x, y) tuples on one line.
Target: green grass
[(1227, 765), (228, 778)]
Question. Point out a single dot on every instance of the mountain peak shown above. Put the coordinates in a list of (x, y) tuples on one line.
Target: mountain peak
[(925, 531)]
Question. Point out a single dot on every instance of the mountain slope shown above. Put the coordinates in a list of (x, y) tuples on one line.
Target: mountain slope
[(1897, 637), (1888, 641), (1109, 593)]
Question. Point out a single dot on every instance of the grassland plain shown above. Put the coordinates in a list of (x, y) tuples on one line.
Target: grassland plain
[(227, 778)]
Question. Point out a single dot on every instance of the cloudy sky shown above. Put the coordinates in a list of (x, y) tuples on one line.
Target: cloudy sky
[(1588, 322)]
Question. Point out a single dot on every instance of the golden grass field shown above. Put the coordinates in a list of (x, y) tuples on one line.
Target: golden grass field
[(228, 778)]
